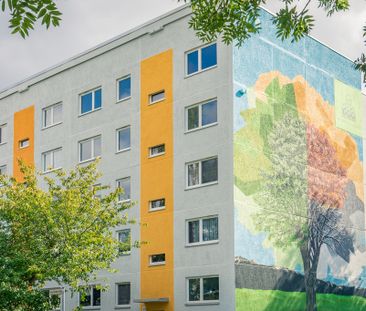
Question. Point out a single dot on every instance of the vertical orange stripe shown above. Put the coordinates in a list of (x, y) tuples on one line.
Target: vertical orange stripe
[(23, 129), (157, 180)]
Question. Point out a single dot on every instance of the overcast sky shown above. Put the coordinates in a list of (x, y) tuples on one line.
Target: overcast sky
[(87, 23)]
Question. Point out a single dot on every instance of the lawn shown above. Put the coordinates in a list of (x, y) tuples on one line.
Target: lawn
[(275, 300)]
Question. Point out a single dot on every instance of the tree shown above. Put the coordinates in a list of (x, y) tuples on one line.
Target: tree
[(60, 232), (301, 197), (237, 20)]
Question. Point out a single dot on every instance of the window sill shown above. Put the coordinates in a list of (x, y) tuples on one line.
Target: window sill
[(202, 243), (91, 308), (4, 143), (123, 150), (151, 210), (156, 155), (201, 128), (122, 307), (157, 264), (202, 303), (200, 71), (202, 185), (124, 254), (51, 171), (52, 125), (89, 160), (155, 102), (124, 201), (89, 112), (123, 99)]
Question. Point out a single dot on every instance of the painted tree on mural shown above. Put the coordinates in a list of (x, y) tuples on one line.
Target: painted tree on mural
[(302, 195)]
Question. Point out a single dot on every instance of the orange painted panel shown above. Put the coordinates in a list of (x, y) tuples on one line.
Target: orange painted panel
[(23, 129), (157, 180)]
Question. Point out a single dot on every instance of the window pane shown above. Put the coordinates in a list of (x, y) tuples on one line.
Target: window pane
[(86, 102), (57, 114), (193, 231), (47, 161), (86, 300), (208, 56), (3, 170), (210, 230), (157, 204), (193, 174), (192, 62), (125, 184), (194, 289), (124, 236), (124, 88), (124, 294), (97, 98), (156, 97), (211, 288), (157, 150), (124, 138), (193, 118), (47, 119), (57, 159), (97, 146), (209, 170), (86, 150), (209, 113), (24, 143), (158, 258), (96, 297)]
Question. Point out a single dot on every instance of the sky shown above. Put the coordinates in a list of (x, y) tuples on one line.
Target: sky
[(87, 23)]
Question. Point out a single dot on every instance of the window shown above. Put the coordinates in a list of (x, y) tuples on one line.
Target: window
[(3, 134), (157, 97), (156, 150), (203, 289), (124, 237), (124, 88), (156, 205), (91, 101), (203, 172), (201, 115), (59, 295), (3, 170), (202, 230), (52, 115), (51, 160), (123, 138), (158, 259), (24, 143), (125, 184), (123, 294), (92, 297), (201, 59), (90, 148)]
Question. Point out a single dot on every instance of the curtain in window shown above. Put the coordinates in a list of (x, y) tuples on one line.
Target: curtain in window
[(193, 174), (210, 229), (193, 231)]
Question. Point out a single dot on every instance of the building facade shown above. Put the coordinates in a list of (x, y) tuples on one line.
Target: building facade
[(193, 132)]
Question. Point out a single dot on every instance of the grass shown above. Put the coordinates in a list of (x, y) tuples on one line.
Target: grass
[(275, 300)]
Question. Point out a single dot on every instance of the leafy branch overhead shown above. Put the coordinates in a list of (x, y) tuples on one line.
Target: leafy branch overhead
[(236, 20), (25, 13)]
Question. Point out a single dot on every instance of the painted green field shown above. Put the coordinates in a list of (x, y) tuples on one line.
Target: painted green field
[(274, 300)]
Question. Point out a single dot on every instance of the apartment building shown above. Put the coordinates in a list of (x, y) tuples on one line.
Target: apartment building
[(189, 130)]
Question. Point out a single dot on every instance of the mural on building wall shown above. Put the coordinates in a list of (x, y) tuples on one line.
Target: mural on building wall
[(298, 166)]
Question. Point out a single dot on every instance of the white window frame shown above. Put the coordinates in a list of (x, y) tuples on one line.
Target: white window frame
[(200, 126), (92, 148), (200, 184), (45, 170), (3, 140), (117, 139), (201, 301), (156, 154), (61, 291), (93, 100), (125, 305), (159, 263), (117, 185), (117, 89), (200, 231), (199, 49), (124, 253), (52, 107), (158, 208), (151, 102), (91, 306), (25, 140)]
